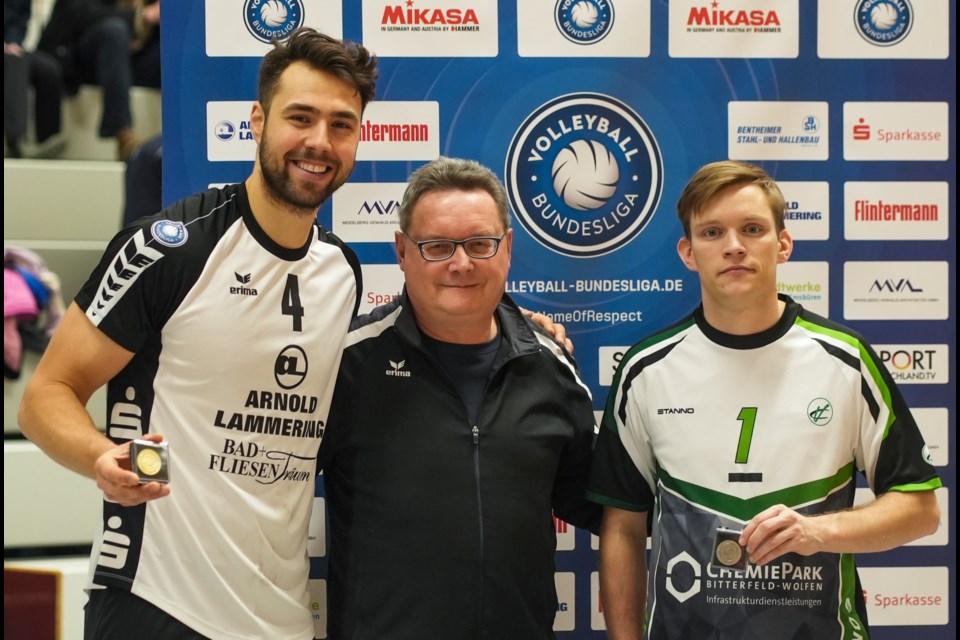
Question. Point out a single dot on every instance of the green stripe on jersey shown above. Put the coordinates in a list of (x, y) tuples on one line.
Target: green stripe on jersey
[(744, 509), (865, 357), (853, 627)]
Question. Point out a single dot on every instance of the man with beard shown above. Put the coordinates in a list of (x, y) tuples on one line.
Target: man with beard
[(218, 323)]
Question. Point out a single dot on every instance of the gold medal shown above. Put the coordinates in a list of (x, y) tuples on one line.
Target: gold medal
[(729, 553), (149, 462)]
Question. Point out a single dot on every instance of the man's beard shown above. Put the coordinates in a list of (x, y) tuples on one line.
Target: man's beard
[(281, 188)]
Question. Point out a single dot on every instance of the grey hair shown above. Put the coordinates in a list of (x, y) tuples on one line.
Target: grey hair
[(452, 174)]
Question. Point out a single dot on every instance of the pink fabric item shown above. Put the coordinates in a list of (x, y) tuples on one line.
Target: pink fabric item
[(12, 347), (18, 302)]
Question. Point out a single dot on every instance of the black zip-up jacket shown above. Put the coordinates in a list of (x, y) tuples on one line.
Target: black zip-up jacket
[(440, 528)]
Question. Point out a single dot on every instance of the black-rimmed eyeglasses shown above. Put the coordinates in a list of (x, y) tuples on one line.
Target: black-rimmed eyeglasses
[(479, 248)]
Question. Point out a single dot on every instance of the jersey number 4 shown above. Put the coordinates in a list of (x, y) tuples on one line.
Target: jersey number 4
[(290, 305)]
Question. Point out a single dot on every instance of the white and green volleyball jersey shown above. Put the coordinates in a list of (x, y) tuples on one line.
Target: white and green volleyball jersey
[(237, 343), (704, 430)]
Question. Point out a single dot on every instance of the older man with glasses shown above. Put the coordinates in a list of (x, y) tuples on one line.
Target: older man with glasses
[(458, 428)]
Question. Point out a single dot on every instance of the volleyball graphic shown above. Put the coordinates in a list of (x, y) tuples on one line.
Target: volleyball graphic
[(884, 16), (273, 13), (585, 175), (584, 14)]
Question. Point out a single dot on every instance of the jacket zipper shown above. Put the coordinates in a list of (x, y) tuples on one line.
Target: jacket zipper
[(476, 475)]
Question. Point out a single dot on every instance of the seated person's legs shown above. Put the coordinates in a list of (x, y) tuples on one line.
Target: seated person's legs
[(103, 55)]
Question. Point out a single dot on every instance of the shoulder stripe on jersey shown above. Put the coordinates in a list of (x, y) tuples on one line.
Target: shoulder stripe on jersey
[(373, 329), (867, 361), (134, 257), (635, 369), (630, 367), (129, 263), (552, 348)]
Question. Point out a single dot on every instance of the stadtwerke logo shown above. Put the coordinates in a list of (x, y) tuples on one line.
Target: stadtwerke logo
[(584, 174)]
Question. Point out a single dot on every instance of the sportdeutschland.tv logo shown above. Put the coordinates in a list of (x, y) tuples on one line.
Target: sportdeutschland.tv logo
[(269, 19), (584, 174), (584, 21), (884, 22)]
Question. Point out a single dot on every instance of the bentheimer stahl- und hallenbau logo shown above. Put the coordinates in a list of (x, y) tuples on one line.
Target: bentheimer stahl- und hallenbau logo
[(584, 174)]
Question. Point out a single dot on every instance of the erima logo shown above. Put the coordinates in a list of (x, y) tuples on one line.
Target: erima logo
[(241, 290), (894, 286), (584, 174), (820, 411), (129, 263), (396, 369), (883, 22), (267, 20), (584, 21), (669, 411)]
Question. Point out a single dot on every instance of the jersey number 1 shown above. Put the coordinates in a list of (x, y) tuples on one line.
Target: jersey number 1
[(747, 418), (290, 305)]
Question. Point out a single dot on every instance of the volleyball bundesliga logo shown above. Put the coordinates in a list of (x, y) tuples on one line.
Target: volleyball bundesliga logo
[(584, 174), (584, 21), (269, 19), (884, 22)]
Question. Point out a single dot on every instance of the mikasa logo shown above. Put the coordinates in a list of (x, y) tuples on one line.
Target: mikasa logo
[(396, 370)]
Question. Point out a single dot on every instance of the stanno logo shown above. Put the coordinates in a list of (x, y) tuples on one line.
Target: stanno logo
[(894, 286), (397, 369), (883, 22), (669, 411), (584, 21), (820, 411), (242, 290), (267, 20), (584, 174), (379, 207)]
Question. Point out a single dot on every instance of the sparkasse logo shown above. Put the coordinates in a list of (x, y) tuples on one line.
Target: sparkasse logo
[(896, 130)]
